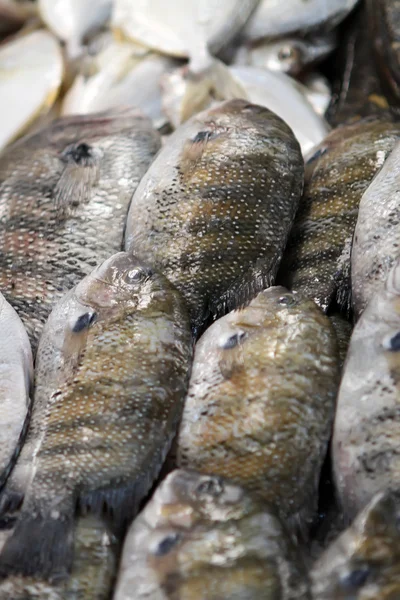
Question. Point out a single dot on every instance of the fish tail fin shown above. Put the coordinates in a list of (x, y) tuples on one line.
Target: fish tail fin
[(41, 545)]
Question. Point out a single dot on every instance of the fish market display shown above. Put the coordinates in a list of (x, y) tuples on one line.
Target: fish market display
[(366, 436), (261, 401), (64, 195), (16, 373), (377, 237), (202, 537), (112, 372), (317, 258), (33, 62), (364, 562), (214, 210)]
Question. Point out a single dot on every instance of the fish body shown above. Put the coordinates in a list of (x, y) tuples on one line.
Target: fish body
[(317, 257), (377, 237), (261, 401), (64, 195), (16, 375), (200, 537), (343, 330), (32, 62), (214, 210), (366, 439), (364, 561), (112, 408)]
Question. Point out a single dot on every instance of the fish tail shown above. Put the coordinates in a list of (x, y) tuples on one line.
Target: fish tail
[(40, 546)]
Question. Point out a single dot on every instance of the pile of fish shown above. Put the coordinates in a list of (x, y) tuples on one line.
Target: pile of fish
[(199, 300)]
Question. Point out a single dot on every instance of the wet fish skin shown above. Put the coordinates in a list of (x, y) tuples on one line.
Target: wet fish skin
[(364, 561), (376, 244), (64, 195), (261, 399), (201, 536), (343, 329), (367, 426), (317, 257), (112, 412), (223, 192), (16, 369)]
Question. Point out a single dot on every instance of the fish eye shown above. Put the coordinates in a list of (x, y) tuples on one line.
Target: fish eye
[(210, 487), (167, 544), (392, 343), (356, 578), (286, 301), (233, 340), (137, 275), (288, 52)]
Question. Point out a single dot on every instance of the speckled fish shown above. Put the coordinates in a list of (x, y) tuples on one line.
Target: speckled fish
[(377, 236), (214, 210), (366, 440), (93, 570), (64, 196), (201, 537), (113, 390), (261, 401), (33, 62), (71, 20), (364, 562), (275, 19), (16, 374), (317, 257)]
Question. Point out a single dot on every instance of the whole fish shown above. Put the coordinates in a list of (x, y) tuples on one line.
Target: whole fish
[(16, 374), (261, 401), (64, 195), (364, 562), (33, 62), (366, 439), (377, 237), (274, 19), (214, 210), (317, 258), (113, 394), (202, 537), (71, 20)]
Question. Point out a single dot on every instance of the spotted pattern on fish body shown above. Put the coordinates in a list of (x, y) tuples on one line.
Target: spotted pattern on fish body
[(64, 195), (110, 419), (214, 210), (317, 258)]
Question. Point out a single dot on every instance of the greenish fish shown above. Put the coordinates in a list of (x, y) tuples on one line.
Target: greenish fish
[(203, 538), (261, 402), (317, 258), (113, 367), (214, 210)]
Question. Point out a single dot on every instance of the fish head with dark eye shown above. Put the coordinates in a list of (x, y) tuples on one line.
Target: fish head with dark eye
[(286, 56)]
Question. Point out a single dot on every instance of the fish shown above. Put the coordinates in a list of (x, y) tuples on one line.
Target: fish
[(32, 62), (110, 399), (316, 262), (343, 329), (64, 196), (272, 19), (318, 92), (72, 20), (12, 17), (201, 536), (376, 245), (290, 55), (364, 561), (214, 209), (261, 402), (365, 443), (16, 368)]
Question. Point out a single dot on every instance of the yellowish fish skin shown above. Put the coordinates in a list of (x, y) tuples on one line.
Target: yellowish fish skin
[(363, 563), (261, 402), (111, 412), (201, 536), (214, 210)]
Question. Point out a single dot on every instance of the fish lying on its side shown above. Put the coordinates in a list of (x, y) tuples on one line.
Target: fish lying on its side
[(366, 439), (202, 537), (16, 375), (261, 401), (376, 244), (364, 562), (113, 367), (64, 196), (214, 210)]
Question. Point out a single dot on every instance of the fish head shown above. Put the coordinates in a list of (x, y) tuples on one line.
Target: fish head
[(287, 55), (364, 562)]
